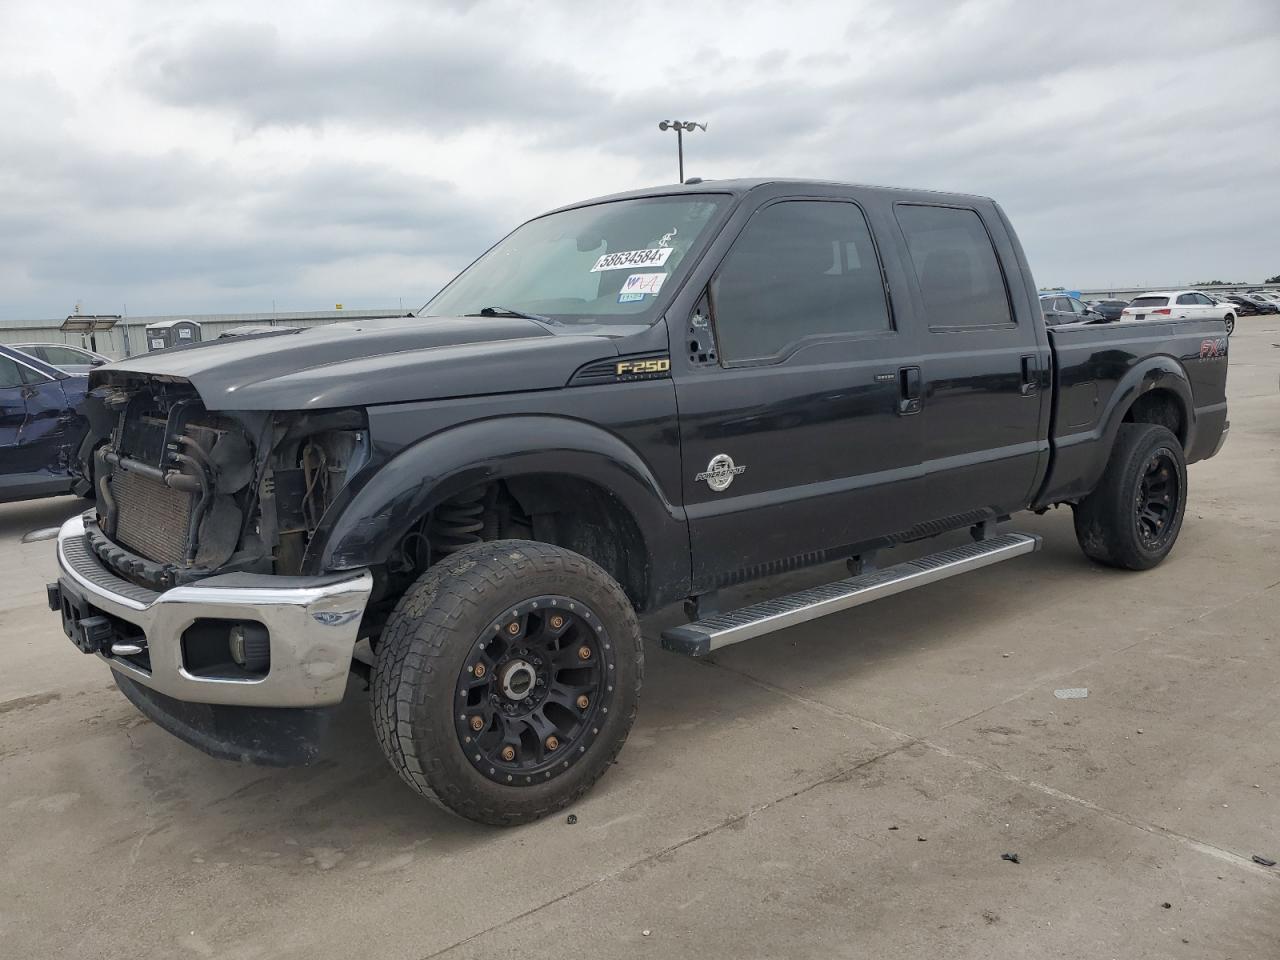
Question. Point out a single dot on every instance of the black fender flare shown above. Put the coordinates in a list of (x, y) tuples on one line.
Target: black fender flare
[(1160, 372), (364, 525)]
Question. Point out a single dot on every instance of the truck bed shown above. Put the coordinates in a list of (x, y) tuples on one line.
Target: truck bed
[(1099, 369)]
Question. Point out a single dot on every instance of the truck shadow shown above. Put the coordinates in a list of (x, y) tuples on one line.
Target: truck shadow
[(23, 517)]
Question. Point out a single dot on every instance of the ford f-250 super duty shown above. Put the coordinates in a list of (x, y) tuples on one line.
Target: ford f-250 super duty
[(625, 403)]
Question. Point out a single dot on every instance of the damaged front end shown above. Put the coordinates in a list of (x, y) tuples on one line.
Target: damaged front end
[(184, 493)]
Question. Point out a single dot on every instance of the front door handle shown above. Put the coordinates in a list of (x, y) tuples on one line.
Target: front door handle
[(909, 398)]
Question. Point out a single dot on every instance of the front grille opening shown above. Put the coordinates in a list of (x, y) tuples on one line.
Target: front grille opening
[(226, 649)]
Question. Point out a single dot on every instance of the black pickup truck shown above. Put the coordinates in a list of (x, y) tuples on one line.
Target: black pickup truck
[(626, 403)]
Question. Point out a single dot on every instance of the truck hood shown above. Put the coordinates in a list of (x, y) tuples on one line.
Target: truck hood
[(367, 362)]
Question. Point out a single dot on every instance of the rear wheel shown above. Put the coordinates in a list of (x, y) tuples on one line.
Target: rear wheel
[(1231, 323), (507, 680), (1134, 516)]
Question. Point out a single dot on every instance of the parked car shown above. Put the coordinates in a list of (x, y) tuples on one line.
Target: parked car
[(1110, 309), (1244, 306), (627, 403), (1179, 305), (75, 360), (1058, 309), (41, 427), (1261, 303)]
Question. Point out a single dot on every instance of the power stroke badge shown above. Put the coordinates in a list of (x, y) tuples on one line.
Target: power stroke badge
[(720, 472)]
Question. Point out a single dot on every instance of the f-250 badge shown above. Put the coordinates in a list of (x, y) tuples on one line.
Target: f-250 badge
[(720, 472)]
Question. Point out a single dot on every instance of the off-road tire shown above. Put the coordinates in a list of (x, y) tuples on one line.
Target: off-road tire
[(429, 636), (1106, 520)]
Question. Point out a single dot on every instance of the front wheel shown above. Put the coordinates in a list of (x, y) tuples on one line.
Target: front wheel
[(507, 680), (1133, 517)]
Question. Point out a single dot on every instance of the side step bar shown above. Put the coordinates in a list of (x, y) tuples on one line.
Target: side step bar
[(701, 638)]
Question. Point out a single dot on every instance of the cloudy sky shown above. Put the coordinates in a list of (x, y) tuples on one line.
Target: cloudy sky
[(178, 156)]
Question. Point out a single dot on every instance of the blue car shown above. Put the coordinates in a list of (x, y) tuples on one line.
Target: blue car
[(41, 428)]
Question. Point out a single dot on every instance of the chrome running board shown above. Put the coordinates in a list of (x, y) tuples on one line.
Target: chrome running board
[(711, 633)]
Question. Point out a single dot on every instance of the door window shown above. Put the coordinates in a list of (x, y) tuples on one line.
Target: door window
[(956, 266), (59, 356), (1187, 299), (10, 373), (801, 269)]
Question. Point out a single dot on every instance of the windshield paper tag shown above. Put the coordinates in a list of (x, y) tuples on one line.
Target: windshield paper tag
[(643, 283), (626, 259), (630, 297)]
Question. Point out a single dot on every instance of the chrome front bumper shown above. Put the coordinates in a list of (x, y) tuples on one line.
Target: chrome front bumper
[(313, 624)]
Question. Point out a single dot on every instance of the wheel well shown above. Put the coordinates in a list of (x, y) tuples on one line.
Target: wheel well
[(1163, 407), (566, 511), (584, 517)]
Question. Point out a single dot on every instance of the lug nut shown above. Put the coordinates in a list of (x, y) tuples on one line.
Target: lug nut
[(479, 670), (584, 653), (583, 702), (508, 753), (557, 622), (552, 743), (513, 628), (477, 724)]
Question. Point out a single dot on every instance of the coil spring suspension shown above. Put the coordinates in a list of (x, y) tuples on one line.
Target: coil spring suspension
[(458, 523)]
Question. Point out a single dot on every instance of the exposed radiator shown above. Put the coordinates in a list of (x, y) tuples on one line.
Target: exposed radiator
[(151, 518)]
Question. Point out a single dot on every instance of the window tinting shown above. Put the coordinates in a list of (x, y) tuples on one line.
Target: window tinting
[(1187, 298), (956, 266), (10, 373), (801, 268), (1149, 302), (59, 355)]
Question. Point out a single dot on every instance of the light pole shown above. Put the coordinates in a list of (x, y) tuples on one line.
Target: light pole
[(680, 127)]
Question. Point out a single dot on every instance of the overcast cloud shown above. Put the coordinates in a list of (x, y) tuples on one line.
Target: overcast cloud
[(195, 157)]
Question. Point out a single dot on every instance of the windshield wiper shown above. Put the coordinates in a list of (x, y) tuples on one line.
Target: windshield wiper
[(508, 312)]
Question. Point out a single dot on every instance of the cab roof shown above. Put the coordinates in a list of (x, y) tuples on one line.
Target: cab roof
[(742, 186)]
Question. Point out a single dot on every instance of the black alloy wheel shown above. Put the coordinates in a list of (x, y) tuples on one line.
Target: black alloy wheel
[(534, 689), (1156, 502)]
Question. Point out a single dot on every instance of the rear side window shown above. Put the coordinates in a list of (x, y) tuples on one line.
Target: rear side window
[(801, 268), (1187, 298), (1149, 302), (956, 265)]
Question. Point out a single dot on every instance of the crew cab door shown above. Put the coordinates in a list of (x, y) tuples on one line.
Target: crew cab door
[(798, 426), (984, 361)]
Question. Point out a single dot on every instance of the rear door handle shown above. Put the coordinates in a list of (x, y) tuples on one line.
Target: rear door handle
[(1030, 375), (909, 399)]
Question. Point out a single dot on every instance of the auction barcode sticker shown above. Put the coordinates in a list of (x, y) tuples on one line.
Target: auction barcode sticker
[(626, 259)]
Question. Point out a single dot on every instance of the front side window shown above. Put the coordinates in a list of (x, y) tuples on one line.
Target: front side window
[(10, 373), (956, 266), (59, 355), (801, 269), (598, 264)]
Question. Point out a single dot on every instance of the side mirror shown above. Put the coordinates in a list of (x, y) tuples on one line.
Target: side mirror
[(97, 363)]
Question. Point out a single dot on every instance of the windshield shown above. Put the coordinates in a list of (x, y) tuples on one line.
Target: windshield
[(603, 263)]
